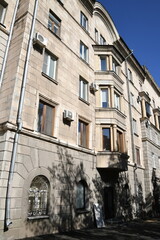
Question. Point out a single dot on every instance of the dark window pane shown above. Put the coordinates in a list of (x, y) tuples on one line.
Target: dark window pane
[(106, 139), (103, 64), (80, 197)]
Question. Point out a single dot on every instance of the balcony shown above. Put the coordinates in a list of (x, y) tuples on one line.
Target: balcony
[(110, 116), (112, 161)]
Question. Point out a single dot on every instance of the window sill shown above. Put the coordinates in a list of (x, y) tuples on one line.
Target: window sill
[(3, 28), (83, 100), (84, 211), (38, 217), (83, 60), (48, 77), (54, 34)]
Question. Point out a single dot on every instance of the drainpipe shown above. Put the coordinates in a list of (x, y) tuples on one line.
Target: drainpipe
[(19, 122), (8, 43), (131, 124)]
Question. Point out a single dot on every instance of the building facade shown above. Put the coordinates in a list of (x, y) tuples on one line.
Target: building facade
[(79, 122)]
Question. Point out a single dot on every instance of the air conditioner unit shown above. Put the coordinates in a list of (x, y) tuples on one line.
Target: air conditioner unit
[(40, 40), (68, 115), (94, 87)]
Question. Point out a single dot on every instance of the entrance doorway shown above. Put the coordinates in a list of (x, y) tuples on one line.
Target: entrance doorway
[(109, 203)]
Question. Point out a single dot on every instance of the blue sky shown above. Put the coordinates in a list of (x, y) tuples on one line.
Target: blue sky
[(138, 23)]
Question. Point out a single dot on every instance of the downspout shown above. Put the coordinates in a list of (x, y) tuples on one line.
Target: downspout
[(8, 43), (131, 125), (7, 221)]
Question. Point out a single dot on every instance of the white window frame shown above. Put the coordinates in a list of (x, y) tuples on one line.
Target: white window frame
[(96, 35), (105, 59), (134, 122), (49, 62), (84, 21), (130, 77), (3, 6), (153, 160), (117, 101), (83, 51), (115, 66), (83, 89), (102, 40), (54, 23), (132, 99), (107, 97)]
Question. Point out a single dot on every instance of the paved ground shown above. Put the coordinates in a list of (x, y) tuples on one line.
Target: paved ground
[(143, 230)]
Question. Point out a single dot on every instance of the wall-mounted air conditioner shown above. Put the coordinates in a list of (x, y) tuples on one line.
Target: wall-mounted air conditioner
[(94, 87), (68, 115), (40, 40)]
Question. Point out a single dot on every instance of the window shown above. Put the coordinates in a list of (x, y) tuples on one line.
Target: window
[(134, 126), (130, 75), (106, 139), (159, 121), (103, 63), (81, 196), (83, 133), (83, 89), (132, 99), (96, 35), (3, 6), (45, 118), (116, 100), (38, 197), (120, 145), (84, 21), (153, 160), (104, 97), (83, 51), (138, 156), (148, 109), (102, 40), (115, 66), (54, 23), (49, 65)]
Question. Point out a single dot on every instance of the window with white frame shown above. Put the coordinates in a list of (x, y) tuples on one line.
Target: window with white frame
[(83, 89), (96, 35), (3, 6), (81, 196), (104, 98), (84, 21), (132, 99), (38, 197), (148, 109), (102, 40), (153, 160), (115, 66), (130, 75), (138, 160), (134, 122), (49, 65), (103, 62), (116, 100), (54, 23), (84, 52)]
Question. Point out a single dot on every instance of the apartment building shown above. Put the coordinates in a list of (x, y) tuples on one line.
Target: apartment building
[(79, 122)]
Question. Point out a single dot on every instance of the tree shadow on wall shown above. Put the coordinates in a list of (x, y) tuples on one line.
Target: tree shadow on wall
[(63, 215)]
